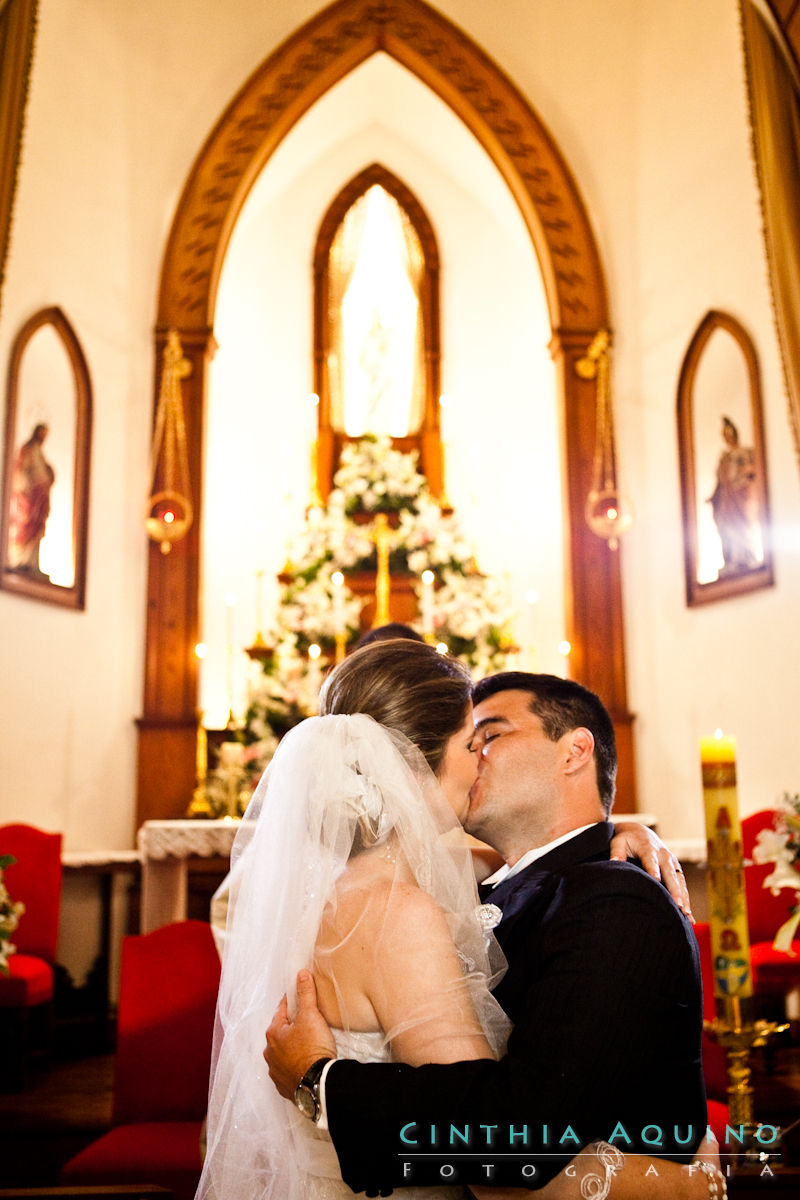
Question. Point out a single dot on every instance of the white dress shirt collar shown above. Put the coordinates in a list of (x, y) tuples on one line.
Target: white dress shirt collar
[(505, 872)]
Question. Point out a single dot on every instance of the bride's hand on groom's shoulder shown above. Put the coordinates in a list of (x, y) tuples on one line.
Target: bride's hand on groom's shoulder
[(293, 1045), (633, 840)]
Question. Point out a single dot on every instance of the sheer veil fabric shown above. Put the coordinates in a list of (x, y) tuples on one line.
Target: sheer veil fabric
[(342, 792)]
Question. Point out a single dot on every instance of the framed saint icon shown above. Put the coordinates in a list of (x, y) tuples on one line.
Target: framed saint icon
[(727, 549), (46, 477)]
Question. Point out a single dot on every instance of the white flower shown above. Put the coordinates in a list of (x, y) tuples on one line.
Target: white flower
[(779, 845)]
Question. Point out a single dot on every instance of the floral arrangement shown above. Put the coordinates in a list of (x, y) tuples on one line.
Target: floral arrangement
[(374, 477), (470, 613), (781, 846), (10, 913)]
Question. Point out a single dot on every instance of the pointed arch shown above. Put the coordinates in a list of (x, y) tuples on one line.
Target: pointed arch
[(427, 440), (285, 86)]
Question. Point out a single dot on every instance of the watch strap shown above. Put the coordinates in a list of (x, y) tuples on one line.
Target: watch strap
[(307, 1092)]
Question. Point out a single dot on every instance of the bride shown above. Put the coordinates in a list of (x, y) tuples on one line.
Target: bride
[(350, 860)]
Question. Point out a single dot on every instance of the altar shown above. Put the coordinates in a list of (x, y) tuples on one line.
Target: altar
[(165, 848)]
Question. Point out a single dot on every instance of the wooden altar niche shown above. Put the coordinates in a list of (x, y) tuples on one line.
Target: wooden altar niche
[(426, 440), (270, 102)]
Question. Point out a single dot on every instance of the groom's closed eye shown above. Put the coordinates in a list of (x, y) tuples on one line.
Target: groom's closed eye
[(482, 737)]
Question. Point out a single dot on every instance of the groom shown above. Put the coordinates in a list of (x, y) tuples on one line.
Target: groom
[(603, 982)]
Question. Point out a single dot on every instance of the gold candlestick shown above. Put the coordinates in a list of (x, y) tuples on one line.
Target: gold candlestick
[(382, 579), (200, 806), (258, 640)]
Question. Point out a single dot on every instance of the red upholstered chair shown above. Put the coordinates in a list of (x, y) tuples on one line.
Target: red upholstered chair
[(774, 972), (714, 1064), (26, 993), (167, 1000)]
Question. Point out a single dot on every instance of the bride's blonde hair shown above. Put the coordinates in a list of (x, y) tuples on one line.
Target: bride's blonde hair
[(404, 685)]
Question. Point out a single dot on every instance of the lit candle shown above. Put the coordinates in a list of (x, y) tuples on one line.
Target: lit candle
[(531, 599), (314, 671), (426, 605), (730, 941), (444, 438), (230, 605), (259, 638), (337, 579), (200, 653), (312, 404)]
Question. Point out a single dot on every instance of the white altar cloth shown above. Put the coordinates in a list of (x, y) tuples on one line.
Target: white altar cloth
[(164, 848)]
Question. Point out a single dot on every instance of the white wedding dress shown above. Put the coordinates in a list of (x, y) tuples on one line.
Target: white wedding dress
[(339, 791), (325, 1183)]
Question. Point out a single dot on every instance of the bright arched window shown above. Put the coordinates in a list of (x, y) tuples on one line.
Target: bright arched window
[(376, 323), (376, 367)]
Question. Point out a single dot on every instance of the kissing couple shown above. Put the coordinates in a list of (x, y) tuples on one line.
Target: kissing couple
[(565, 1000)]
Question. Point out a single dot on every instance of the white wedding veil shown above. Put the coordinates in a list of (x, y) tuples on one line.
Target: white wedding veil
[(339, 787)]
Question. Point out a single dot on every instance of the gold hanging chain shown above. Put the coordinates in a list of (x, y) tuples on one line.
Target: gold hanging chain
[(595, 365), (170, 428)]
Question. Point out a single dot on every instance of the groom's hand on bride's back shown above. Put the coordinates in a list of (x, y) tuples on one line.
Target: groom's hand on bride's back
[(293, 1045)]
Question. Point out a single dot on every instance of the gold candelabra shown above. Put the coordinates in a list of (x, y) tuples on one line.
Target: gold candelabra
[(383, 583), (739, 1033), (199, 806)]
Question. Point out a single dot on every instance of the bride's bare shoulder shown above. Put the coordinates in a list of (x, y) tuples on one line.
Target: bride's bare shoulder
[(380, 900)]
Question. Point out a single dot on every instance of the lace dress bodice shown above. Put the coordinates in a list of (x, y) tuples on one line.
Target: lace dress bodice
[(323, 1181)]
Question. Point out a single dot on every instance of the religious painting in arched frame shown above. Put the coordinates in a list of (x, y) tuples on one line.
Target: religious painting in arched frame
[(376, 347), (724, 493), (43, 531)]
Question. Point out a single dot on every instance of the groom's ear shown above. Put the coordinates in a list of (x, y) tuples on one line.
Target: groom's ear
[(580, 749)]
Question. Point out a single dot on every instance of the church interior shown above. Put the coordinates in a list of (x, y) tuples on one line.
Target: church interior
[(588, 209)]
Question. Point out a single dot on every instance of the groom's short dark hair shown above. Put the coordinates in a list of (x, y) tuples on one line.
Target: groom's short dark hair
[(562, 705)]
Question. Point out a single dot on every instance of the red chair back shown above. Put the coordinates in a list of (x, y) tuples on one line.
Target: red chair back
[(167, 1002), (35, 879), (765, 912)]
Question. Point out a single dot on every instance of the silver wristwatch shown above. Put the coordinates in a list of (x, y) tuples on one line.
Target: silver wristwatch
[(306, 1094)]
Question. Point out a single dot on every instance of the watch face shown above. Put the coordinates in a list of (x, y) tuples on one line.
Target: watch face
[(304, 1099)]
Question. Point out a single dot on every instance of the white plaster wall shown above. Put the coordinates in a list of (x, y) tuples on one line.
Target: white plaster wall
[(646, 102), (733, 664)]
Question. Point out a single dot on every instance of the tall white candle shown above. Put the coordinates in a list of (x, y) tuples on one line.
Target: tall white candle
[(337, 579), (426, 603), (314, 669), (259, 638), (230, 606), (531, 600)]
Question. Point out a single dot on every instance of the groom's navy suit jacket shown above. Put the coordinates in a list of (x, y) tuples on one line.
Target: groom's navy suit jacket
[(603, 988)]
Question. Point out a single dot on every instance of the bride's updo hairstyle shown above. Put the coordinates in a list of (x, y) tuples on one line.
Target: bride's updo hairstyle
[(405, 685)]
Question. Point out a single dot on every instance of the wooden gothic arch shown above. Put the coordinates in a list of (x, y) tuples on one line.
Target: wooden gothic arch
[(272, 100)]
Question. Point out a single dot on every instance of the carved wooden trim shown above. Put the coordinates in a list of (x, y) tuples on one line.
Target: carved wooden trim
[(319, 54), (284, 87), (17, 36)]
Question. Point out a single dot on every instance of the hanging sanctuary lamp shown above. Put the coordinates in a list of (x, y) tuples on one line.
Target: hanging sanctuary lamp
[(169, 510), (608, 512)]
